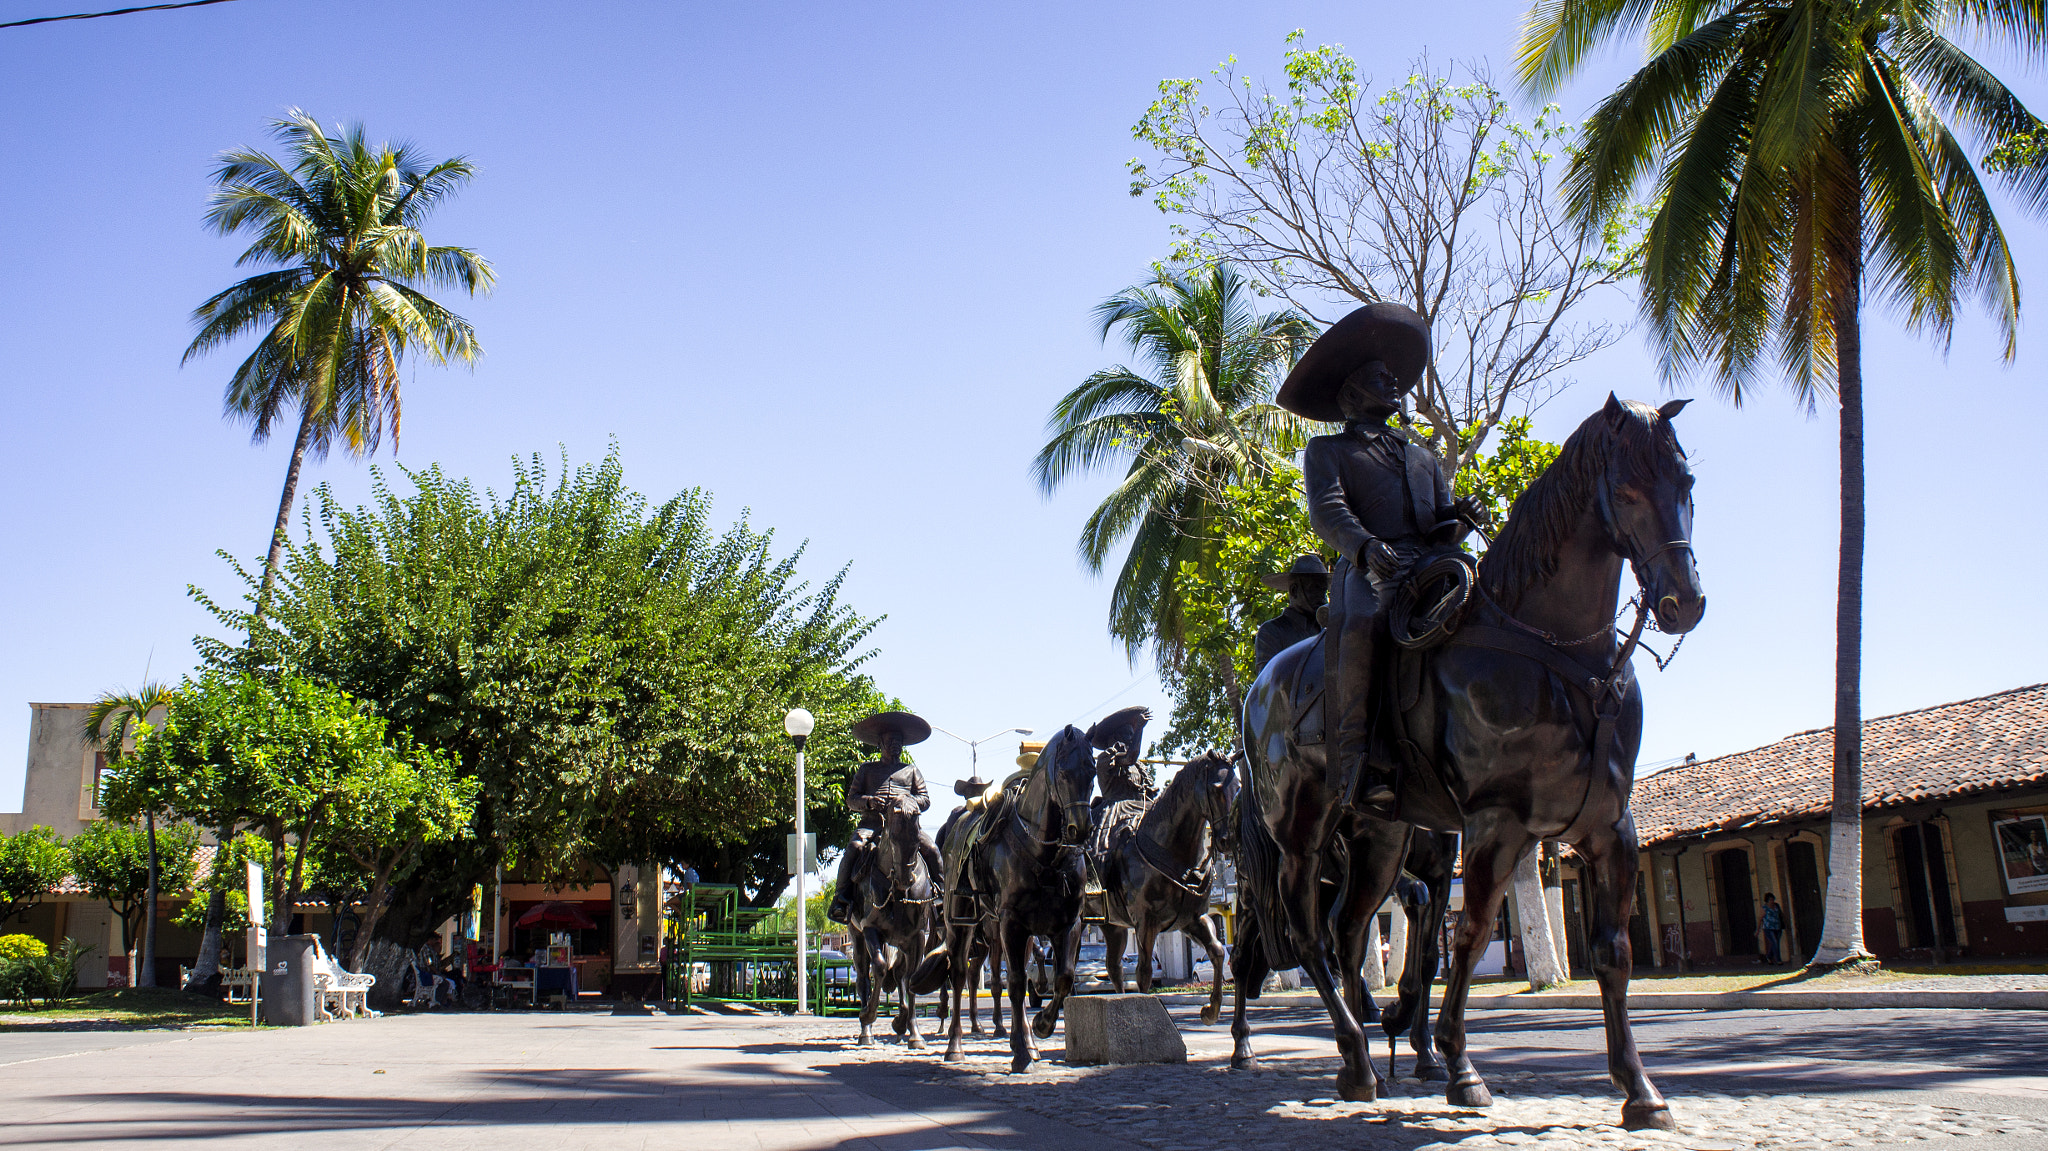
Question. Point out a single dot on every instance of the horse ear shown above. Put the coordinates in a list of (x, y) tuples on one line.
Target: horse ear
[(1670, 410), (1613, 410)]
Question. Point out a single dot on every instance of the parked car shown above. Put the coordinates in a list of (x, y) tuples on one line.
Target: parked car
[(1091, 969)]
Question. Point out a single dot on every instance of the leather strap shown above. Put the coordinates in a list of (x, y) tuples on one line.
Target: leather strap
[(1603, 692)]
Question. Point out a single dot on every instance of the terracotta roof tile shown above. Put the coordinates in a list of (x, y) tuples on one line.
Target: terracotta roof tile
[(1931, 755)]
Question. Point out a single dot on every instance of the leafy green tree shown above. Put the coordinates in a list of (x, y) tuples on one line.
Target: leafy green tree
[(611, 673), (340, 219), (119, 865), (284, 751), (1802, 153), (32, 864), (226, 911), (114, 722), (388, 810), (1263, 527), (1200, 418), (1428, 192)]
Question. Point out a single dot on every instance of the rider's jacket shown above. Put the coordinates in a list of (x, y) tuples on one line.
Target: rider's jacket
[(877, 776), (1281, 632), (1368, 483)]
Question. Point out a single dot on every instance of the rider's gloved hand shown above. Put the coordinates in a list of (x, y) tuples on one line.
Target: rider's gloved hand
[(1379, 558)]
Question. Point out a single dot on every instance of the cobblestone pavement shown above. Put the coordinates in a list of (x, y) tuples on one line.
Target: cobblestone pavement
[(1553, 1094)]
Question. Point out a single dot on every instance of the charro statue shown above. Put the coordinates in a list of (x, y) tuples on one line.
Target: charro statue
[(1374, 496), (873, 788), (1117, 739), (1307, 585)]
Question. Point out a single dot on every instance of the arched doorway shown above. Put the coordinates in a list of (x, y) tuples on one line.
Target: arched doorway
[(1738, 902)]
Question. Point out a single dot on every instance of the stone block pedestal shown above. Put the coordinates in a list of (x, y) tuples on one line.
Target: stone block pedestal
[(1122, 1029)]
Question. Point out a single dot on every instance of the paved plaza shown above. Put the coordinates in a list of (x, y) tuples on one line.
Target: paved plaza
[(1737, 1079)]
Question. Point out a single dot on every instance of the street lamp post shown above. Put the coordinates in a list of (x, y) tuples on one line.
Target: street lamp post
[(799, 724), (974, 745)]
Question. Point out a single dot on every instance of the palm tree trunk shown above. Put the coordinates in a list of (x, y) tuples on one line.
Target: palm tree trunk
[(147, 976), (1841, 936), (284, 509)]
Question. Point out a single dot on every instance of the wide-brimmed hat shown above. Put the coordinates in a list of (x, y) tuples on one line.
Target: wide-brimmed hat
[(970, 787), (1126, 727), (907, 727), (1310, 565), (1387, 332)]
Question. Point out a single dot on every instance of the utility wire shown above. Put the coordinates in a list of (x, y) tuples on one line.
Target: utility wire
[(115, 12)]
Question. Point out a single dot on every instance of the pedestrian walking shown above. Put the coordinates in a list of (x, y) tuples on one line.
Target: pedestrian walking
[(1772, 924)]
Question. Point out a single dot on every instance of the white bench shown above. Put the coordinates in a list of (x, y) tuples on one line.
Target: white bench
[(339, 989)]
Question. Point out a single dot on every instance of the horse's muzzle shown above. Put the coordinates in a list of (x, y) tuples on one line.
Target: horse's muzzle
[(1676, 617)]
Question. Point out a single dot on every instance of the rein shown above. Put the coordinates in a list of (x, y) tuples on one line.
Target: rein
[(1202, 868)]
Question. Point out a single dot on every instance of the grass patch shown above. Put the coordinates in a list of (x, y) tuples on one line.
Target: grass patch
[(128, 1007)]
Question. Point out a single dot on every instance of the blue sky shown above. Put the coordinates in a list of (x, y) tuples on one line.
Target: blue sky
[(834, 263)]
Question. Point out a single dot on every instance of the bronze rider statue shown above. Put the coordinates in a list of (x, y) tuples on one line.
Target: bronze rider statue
[(873, 788), (1374, 496), (1118, 737), (1307, 585)]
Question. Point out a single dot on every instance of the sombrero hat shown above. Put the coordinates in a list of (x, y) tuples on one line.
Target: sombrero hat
[(1309, 565), (907, 727), (1116, 726), (1388, 332)]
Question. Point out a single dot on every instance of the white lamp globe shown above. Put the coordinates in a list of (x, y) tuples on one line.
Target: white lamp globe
[(798, 723)]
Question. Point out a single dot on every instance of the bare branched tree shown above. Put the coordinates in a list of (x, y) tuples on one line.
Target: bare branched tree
[(1428, 194)]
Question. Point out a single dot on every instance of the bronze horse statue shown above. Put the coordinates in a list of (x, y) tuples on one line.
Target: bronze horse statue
[(1025, 870), (1156, 866), (891, 912), (978, 943), (1425, 900), (1524, 725)]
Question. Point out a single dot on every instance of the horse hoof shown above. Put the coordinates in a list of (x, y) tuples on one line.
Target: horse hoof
[(1473, 1094), (1246, 1063), (1431, 1073), (952, 1056), (1020, 1064), (916, 1044), (1352, 1090), (864, 1041), (1658, 1118), (1210, 1014), (1042, 1027), (899, 1025)]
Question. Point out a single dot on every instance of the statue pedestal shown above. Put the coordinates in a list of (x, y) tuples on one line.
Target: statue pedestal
[(1122, 1029)]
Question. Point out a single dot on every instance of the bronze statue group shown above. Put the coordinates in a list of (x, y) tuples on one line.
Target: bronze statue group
[(1437, 713)]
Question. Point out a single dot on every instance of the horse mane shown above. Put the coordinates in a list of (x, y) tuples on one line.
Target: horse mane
[(1175, 794), (1526, 552)]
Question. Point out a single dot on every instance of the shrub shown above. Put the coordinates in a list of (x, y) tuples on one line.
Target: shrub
[(21, 947), (30, 978)]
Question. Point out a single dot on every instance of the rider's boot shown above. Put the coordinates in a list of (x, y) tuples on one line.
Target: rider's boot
[(841, 908)]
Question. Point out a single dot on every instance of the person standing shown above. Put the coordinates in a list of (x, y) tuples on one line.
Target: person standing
[(1772, 924)]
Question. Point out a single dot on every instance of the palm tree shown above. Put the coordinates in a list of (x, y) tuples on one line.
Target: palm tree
[(1802, 151), (342, 218), (1203, 419), (112, 723)]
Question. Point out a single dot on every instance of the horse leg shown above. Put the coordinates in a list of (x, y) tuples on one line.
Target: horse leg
[(1489, 861), (961, 940), (1113, 940), (1249, 971), (1374, 865), (1022, 1050), (997, 965), (1301, 900), (1064, 949), (1425, 954), (1148, 934), (868, 985), (1612, 861), (907, 958), (1204, 931)]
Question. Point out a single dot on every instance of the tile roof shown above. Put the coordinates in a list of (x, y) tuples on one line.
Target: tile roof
[(1946, 752)]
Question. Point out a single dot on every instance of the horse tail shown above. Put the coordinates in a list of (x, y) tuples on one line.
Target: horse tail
[(933, 973), (1258, 868)]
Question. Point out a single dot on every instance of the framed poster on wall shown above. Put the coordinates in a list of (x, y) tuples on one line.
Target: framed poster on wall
[(2023, 852)]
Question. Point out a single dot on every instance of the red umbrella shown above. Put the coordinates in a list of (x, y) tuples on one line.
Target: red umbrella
[(567, 914)]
